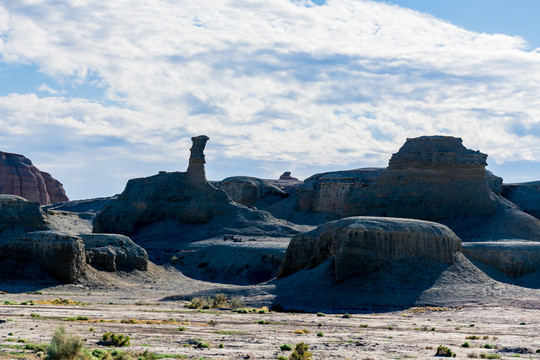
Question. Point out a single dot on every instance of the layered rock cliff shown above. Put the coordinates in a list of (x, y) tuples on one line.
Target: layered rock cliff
[(18, 176), (525, 195), (360, 245), (250, 191), (429, 178)]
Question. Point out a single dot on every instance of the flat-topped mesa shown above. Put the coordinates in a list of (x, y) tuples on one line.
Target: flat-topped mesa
[(429, 178), (436, 151), (196, 159)]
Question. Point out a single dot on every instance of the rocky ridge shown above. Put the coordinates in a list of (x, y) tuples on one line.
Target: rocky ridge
[(18, 176)]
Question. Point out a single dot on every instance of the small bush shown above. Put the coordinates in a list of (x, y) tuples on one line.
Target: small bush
[(444, 351), (465, 345), (286, 347), (36, 347), (263, 322), (490, 356), (522, 323), (301, 331), (489, 346), (181, 328), (282, 357), (364, 325), (221, 346), (301, 352), (347, 316), (472, 355), (473, 337), (320, 333), (203, 344), (321, 314), (63, 346), (111, 339)]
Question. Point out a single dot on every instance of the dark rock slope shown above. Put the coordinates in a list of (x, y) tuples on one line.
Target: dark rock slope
[(18, 176)]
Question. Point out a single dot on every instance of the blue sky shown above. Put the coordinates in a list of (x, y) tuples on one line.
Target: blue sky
[(97, 93)]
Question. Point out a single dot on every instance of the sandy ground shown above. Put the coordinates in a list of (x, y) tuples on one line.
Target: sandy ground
[(409, 333)]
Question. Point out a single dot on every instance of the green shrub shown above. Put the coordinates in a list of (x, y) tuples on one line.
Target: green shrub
[(301, 352), (465, 344), (444, 351), (364, 325), (221, 346), (181, 328), (263, 322), (320, 333), (473, 337), (203, 344), (490, 356), (489, 346), (346, 316), (286, 347), (111, 339), (36, 347), (63, 346), (282, 357), (146, 355), (321, 314)]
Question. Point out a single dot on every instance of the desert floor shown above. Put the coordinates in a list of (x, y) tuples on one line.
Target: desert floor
[(157, 322)]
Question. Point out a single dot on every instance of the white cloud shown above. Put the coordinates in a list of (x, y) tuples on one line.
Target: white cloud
[(271, 81)]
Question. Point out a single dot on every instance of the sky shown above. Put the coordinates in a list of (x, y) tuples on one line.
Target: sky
[(99, 92)]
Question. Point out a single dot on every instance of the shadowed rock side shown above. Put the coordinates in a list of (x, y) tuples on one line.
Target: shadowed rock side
[(18, 176), (360, 245), (364, 261), (48, 241), (250, 191), (429, 178), (526, 195), (184, 206)]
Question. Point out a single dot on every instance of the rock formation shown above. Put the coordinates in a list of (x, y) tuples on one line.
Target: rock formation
[(525, 195), (18, 176), (112, 252), (494, 182), (196, 159), (360, 245), (513, 257), (250, 191), (287, 176), (175, 205), (430, 178), (31, 236), (323, 197)]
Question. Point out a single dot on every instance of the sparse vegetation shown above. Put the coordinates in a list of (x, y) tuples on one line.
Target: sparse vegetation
[(112, 339), (301, 352), (63, 345), (321, 314), (218, 301), (286, 347), (444, 351), (320, 334), (465, 345)]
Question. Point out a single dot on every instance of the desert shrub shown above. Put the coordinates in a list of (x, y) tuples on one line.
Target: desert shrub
[(301, 331), (221, 346), (63, 346), (146, 355), (282, 357), (321, 314), (490, 356), (444, 351), (301, 352), (111, 339), (473, 337), (286, 347), (34, 315), (465, 344), (36, 347), (489, 346), (203, 344), (347, 316), (364, 325), (263, 322), (472, 355), (320, 333)]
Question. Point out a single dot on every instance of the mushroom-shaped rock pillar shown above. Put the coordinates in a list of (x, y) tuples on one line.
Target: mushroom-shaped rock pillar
[(196, 159)]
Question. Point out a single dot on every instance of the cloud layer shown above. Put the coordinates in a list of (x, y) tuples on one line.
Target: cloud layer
[(277, 85)]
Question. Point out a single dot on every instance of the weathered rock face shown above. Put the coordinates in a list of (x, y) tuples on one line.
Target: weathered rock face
[(113, 252), (18, 176), (525, 195), (250, 191), (513, 257), (51, 241), (360, 245), (323, 197), (173, 205), (494, 182), (287, 176), (430, 178), (59, 254)]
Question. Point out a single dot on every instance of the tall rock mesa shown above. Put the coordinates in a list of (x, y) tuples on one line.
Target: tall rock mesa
[(18, 176), (429, 178)]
